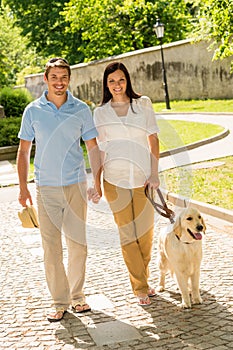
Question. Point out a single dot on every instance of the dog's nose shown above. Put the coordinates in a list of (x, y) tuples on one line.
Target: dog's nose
[(199, 227)]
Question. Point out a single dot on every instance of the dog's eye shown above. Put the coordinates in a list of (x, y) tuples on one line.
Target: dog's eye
[(189, 218), (199, 217)]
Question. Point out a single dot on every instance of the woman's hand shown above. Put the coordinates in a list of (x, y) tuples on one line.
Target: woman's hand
[(152, 182)]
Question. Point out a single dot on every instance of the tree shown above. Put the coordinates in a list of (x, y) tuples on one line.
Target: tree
[(81, 30), (114, 27), (45, 28), (13, 53), (215, 24)]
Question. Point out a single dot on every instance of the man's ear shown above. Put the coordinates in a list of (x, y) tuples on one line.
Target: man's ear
[(45, 78)]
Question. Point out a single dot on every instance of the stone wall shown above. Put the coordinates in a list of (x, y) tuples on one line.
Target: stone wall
[(10, 152), (191, 74)]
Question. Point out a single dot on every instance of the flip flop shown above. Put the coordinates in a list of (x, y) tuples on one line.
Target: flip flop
[(81, 307), (144, 301), (57, 315)]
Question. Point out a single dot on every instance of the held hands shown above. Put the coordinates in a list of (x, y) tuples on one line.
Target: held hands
[(93, 195)]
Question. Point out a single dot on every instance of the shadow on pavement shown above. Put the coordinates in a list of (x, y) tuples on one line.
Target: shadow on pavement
[(170, 328)]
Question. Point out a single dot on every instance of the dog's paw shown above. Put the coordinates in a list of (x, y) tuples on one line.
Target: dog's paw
[(160, 289), (196, 301), (186, 305)]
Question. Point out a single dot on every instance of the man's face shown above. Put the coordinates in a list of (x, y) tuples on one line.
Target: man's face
[(57, 81)]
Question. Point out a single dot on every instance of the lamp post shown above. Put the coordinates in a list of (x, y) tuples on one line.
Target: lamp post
[(159, 30)]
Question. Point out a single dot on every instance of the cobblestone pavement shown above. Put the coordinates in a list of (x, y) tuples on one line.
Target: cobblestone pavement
[(116, 321)]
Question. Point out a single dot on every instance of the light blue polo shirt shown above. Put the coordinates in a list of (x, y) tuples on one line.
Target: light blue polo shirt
[(57, 132)]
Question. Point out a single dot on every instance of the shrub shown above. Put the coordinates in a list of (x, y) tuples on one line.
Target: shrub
[(9, 128), (14, 101)]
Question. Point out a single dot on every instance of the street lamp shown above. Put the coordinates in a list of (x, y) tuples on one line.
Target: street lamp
[(159, 30)]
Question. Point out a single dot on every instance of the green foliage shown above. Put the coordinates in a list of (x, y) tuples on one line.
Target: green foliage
[(9, 128), (14, 101), (215, 25), (26, 71), (84, 30), (109, 28), (45, 28), (9, 41), (14, 54)]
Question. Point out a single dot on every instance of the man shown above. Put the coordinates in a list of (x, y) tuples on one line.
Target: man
[(57, 121)]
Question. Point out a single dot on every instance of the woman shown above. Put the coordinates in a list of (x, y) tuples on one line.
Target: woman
[(130, 150)]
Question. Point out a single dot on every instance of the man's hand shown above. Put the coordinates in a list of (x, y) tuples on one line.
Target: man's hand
[(24, 196), (93, 195)]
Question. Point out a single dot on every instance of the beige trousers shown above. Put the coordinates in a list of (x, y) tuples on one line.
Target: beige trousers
[(63, 209), (134, 216)]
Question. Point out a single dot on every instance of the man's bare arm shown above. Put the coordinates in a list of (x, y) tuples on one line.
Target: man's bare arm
[(23, 161)]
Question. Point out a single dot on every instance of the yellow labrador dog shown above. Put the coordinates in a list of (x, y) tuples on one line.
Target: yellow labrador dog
[(180, 252)]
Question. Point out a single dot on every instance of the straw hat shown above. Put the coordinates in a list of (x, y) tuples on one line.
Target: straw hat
[(28, 217)]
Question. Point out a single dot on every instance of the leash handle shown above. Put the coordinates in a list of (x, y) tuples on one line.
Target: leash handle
[(163, 209)]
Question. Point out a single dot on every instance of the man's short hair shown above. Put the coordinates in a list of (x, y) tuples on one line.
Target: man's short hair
[(57, 62)]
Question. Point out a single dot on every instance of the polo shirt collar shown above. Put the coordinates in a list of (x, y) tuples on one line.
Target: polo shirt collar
[(44, 101)]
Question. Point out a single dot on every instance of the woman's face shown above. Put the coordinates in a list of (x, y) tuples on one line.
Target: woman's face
[(117, 83)]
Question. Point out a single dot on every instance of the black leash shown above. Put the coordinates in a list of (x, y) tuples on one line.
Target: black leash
[(161, 209)]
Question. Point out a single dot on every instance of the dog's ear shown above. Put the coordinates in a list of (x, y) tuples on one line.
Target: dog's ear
[(177, 227), (203, 224)]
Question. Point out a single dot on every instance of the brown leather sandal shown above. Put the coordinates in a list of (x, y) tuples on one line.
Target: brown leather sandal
[(57, 315), (81, 307)]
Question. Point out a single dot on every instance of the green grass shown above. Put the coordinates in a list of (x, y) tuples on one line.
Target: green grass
[(176, 133), (212, 181), (225, 106), (209, 182)]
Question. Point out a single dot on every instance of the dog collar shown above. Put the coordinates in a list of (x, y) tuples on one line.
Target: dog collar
[(184, 241)]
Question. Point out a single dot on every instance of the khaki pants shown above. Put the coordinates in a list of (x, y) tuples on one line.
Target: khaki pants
[(134, 216), (64, 209)]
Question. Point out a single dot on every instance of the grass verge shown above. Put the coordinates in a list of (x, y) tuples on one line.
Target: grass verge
[(176, 133), (209, 182)]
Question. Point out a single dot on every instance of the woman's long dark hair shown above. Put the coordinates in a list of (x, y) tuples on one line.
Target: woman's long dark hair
[(112, 67)]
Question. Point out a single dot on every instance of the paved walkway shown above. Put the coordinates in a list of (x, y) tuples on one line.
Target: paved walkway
[(116, 321)]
